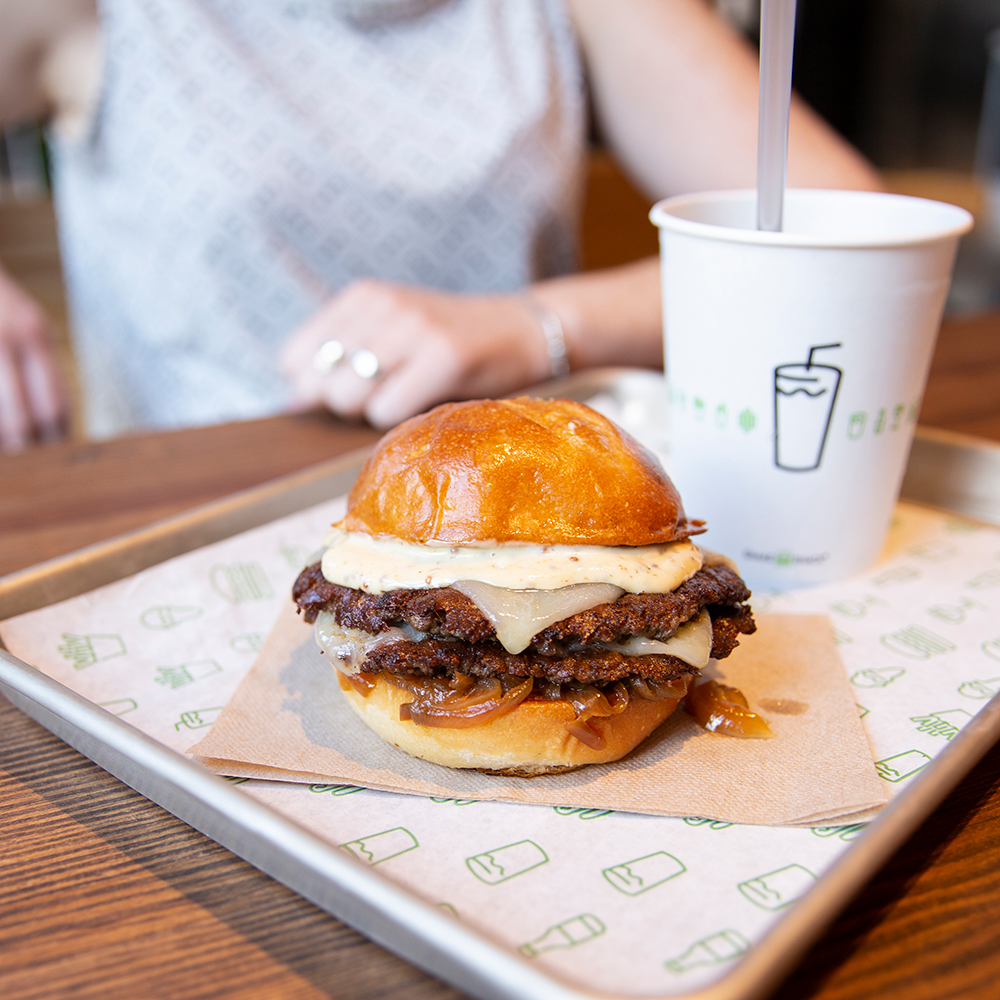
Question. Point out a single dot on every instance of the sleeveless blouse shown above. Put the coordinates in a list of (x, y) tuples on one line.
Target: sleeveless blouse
[(248, 158)]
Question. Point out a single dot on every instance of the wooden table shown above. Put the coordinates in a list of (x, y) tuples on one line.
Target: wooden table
[(102, 894)]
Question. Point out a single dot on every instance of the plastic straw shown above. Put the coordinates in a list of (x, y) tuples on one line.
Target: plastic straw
[(777, 39)]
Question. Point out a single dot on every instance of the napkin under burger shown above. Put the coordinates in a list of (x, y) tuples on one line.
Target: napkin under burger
[(513, 588)]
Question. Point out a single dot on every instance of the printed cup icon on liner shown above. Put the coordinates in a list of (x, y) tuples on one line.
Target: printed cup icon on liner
[(818, 338), (778, 888), (507, 862), (902, 765), (642, 874), (378, 847)]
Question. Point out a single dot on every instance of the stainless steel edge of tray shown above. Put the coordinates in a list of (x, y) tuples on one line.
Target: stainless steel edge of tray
[(956, 472)]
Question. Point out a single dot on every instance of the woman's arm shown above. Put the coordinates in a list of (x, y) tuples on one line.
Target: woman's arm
[(674, 90)]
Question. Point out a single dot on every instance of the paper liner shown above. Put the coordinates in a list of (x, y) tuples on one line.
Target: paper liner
[(288, 721)]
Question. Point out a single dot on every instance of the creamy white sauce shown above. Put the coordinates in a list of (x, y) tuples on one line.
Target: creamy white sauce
[(363, 562)]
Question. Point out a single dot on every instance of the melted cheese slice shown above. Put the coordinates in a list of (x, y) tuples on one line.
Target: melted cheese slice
[(363, 562), (518, 615), (348, 648), (692, 643)]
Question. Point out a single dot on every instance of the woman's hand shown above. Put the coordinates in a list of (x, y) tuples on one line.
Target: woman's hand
[(32, 398), (426, 346)]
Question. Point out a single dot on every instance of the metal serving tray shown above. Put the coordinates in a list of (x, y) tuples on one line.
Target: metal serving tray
[(949, 471)]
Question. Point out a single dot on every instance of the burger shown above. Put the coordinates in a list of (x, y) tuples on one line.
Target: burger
[(514, 588)]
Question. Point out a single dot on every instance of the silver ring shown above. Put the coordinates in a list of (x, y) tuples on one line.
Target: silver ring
[(329, 355), (364, 362)]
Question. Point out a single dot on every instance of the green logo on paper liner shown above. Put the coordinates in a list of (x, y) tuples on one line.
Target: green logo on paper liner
[(859, 608), (568, 934), (876, 677), (503, 863), (164, 616), (379, 847), (901, 765), (712, 950), (933, 551), (240, 582), (119, 706), (198, 718), (86, 650), (980, 689), (917, 643), (645, 873), (296, 556), (779, 888), (851, 832), (898, 574), (336, 789), (946, 724), (956, 614), (582, 813), (251, 642), (712, 824), (186, 673)]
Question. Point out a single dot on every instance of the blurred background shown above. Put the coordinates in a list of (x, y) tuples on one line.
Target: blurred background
[(915, 84)]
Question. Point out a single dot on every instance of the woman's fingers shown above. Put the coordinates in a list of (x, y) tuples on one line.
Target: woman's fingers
[(33, 402), (388, 351), (44, 391), (427, 377), (15, 425)]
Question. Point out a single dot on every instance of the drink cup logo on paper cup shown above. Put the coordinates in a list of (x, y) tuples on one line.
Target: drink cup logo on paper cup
[(796, 362)]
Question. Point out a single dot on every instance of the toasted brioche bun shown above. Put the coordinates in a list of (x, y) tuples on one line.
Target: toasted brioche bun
[(529, 740), (552, 472)]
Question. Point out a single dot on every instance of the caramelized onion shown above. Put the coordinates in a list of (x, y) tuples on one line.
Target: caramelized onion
[(722, 709), (582, 731), (461, 701), (590, 701), (361, 682), (660, 690)]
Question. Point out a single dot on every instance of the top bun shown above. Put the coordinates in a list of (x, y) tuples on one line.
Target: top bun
[(515, 470)]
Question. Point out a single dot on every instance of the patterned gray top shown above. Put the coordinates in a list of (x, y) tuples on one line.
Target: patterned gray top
[(250, 157)]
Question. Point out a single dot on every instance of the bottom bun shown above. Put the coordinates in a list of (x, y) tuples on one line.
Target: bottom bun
[(529, 740)]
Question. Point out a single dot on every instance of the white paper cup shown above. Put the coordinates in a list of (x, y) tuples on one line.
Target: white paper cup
[(796, 362)]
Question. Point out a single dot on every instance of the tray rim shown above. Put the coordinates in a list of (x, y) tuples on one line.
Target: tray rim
[(381, 909)]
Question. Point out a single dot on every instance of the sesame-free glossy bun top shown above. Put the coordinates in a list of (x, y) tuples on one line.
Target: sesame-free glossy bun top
[(516, 470)]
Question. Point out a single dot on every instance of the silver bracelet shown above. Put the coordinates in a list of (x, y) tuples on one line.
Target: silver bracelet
[(555, 337)]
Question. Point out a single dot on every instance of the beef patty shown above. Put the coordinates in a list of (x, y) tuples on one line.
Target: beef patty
[(461, 639)]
